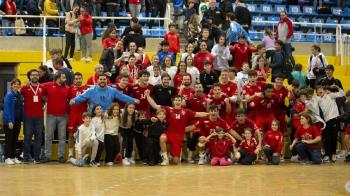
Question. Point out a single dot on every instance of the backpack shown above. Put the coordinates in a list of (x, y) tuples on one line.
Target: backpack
[(319, 72)]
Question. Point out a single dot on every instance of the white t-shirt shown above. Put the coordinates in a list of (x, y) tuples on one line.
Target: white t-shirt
[(49, 65), (194, 72), (155, 80), (82, 134)]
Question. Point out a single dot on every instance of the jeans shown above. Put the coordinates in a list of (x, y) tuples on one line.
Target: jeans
[(8, 23), (86, 44), (246, 158), (135, 9), (308, 154), (270, 157), (33, 125), (51, 123)]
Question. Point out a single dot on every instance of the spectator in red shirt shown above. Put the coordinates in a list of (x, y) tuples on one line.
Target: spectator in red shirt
[(174, 39), (241, 52), (202, 56), (306, 141), (248, 149), (33, 116), (86, 34), (273, 144), (111, 40), (220, 146), (76, 111), (93, 80), (57, 93)]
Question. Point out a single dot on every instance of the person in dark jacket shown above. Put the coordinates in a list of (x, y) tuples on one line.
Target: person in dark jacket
[(33, 9), (213, 18), (226, 6), (136, 37), (13, 117), (243, 15), (158, 8), (156, 126), (44, 74), (278, 60)]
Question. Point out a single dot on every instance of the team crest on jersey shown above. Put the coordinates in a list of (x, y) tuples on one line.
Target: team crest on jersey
[(183, 112)]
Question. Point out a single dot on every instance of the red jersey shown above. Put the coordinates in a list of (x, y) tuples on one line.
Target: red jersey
[(77, 109), (33, 100), (281, 94), (187, 92), (200, 58), (230, 88), (125, 91), (177, 120), (249, 147), (133, 72), (220, 104), (57, 98), (251, 90), (241, 54), (264, 105), (275, 140), (308, 134), (239, 128), (145, 62), (178, 80), (174, 42), (130, 80), (197, 104), (93, 80), (206, 126), (260, 75), (109, 42), (220, 148), (299, 107), (138, 92)]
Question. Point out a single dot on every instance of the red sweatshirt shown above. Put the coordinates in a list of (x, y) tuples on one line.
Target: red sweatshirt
[(33, 107), (57, 98), (200, 58), (249, 148), (10, 8), (109, 42), (77, 109), (134, 1), (86, 24), (220, 148), (93, 80), (241, 54), (275, 140), (174, 42)]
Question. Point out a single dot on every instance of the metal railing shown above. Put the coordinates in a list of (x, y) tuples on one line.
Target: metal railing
[(45, 29)]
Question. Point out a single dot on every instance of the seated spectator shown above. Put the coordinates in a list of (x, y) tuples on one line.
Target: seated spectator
[(135, 7), (213, 18), (243, 15), (8, 7)]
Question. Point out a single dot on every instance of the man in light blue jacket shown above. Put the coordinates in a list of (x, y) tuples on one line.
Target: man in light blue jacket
[(235, 31), (102, 94)]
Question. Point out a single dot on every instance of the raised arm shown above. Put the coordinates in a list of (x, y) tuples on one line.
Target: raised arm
[(201, 114), (123, 98), (150, 100)]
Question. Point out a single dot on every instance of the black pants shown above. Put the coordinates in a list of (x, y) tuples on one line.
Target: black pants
[(111, 146), (100, 149), (192, 142), (51, 24), (11, 138), (269, 54), (270, 157), (113, 8), (32, 22), (157, 8), (152, 149), (70, 45), (330, 136), (128, 139), (246, 159)]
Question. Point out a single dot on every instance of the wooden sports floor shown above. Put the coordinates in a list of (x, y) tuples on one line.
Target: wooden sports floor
[(186, 179)]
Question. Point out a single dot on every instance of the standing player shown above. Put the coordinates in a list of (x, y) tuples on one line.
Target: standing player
[(220, 100), (252, 90), (124, 87), (76, 111), (206, 127), (177, 118), (280, 92), (138, 91)]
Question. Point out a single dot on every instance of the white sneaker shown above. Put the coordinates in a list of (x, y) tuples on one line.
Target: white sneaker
[(9, 161), (109, 163), (202, 159), (164, 162), (131, 160), (341, 154), (71, 59), (326, 159), (88, 59), (334, 158), (294, 158), (83, 59), (16, 161), (125, 161)]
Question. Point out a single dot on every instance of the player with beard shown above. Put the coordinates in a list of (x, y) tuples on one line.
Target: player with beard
[(177, 118), (33, 116), (103, 95), (185, 90), (163, 93), (76, 111), (220, 100)]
